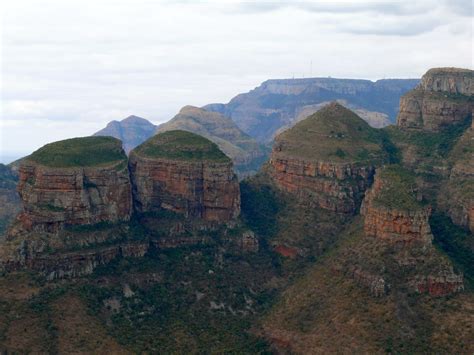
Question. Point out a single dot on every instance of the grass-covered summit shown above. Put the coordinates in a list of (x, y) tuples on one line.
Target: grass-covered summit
[(399, 189), (80, 152), (334, 134), (181, 145)]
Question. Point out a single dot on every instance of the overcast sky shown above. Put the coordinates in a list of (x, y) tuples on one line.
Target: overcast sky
[(69, 67)]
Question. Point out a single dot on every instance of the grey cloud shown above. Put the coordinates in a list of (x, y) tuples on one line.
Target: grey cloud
[(411, 27), (343, 7), (461, 7)]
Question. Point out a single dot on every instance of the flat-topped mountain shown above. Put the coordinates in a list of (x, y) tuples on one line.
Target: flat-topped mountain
[(132, 131), (277, 103), (75, 181), (185, 173), (449, 80), (244, 151)]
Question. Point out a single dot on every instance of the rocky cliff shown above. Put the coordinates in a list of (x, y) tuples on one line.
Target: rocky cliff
[(396, 215), (392, 212), (244, 151), (449, 80), (74, 182), (442, 99), (132, 131), (277, 103), (185, 173), (327, 159)]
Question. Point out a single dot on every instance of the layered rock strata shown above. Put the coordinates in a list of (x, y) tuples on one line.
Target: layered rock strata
[(392, 223), (399, 221), (54, 196), (327, 160), (199, 182), (443, 98)]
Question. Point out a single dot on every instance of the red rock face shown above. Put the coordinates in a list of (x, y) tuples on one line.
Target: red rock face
[(335, 187), (54, 197), (443, 98), (286, 251), (392, 225), (204, 190)]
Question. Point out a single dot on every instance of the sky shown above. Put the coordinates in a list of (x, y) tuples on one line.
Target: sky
[(69, 67)]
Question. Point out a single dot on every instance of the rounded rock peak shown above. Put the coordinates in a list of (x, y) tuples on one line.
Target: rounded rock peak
[(181, 145), (135, 119), (190, 109), (80, 152), (335, 134)]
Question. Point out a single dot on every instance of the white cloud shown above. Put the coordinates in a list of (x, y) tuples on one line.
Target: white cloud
[(69, 67)]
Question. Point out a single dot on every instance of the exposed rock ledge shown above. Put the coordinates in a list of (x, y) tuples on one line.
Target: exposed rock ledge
[(335, 187), (443, 98), (392, 224)]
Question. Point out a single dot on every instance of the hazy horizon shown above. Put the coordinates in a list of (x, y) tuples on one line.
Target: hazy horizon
[(98, 62)]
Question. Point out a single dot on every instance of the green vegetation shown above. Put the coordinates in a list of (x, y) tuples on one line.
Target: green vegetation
[(52, 208), (260, 205), (456, 242), (429, 144), (189, 309), (334, 133), (399, 189), (80, 152), (181, 145)]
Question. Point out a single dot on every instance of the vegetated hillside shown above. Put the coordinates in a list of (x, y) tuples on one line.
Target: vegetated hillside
[(329, 310), (132, 131), (383, 287), (278, 103), (333, 134), (244, 151)]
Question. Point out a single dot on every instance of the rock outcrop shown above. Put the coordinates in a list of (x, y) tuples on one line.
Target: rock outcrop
[(184, 173), (74, 182), (244, 151), (449, 80), (445, 283), (392, 213), (399, 221), (69, 264), (442, 99), (327, 159)]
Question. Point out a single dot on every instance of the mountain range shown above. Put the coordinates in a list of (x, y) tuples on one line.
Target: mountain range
[(279, 103), (246, 125)]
